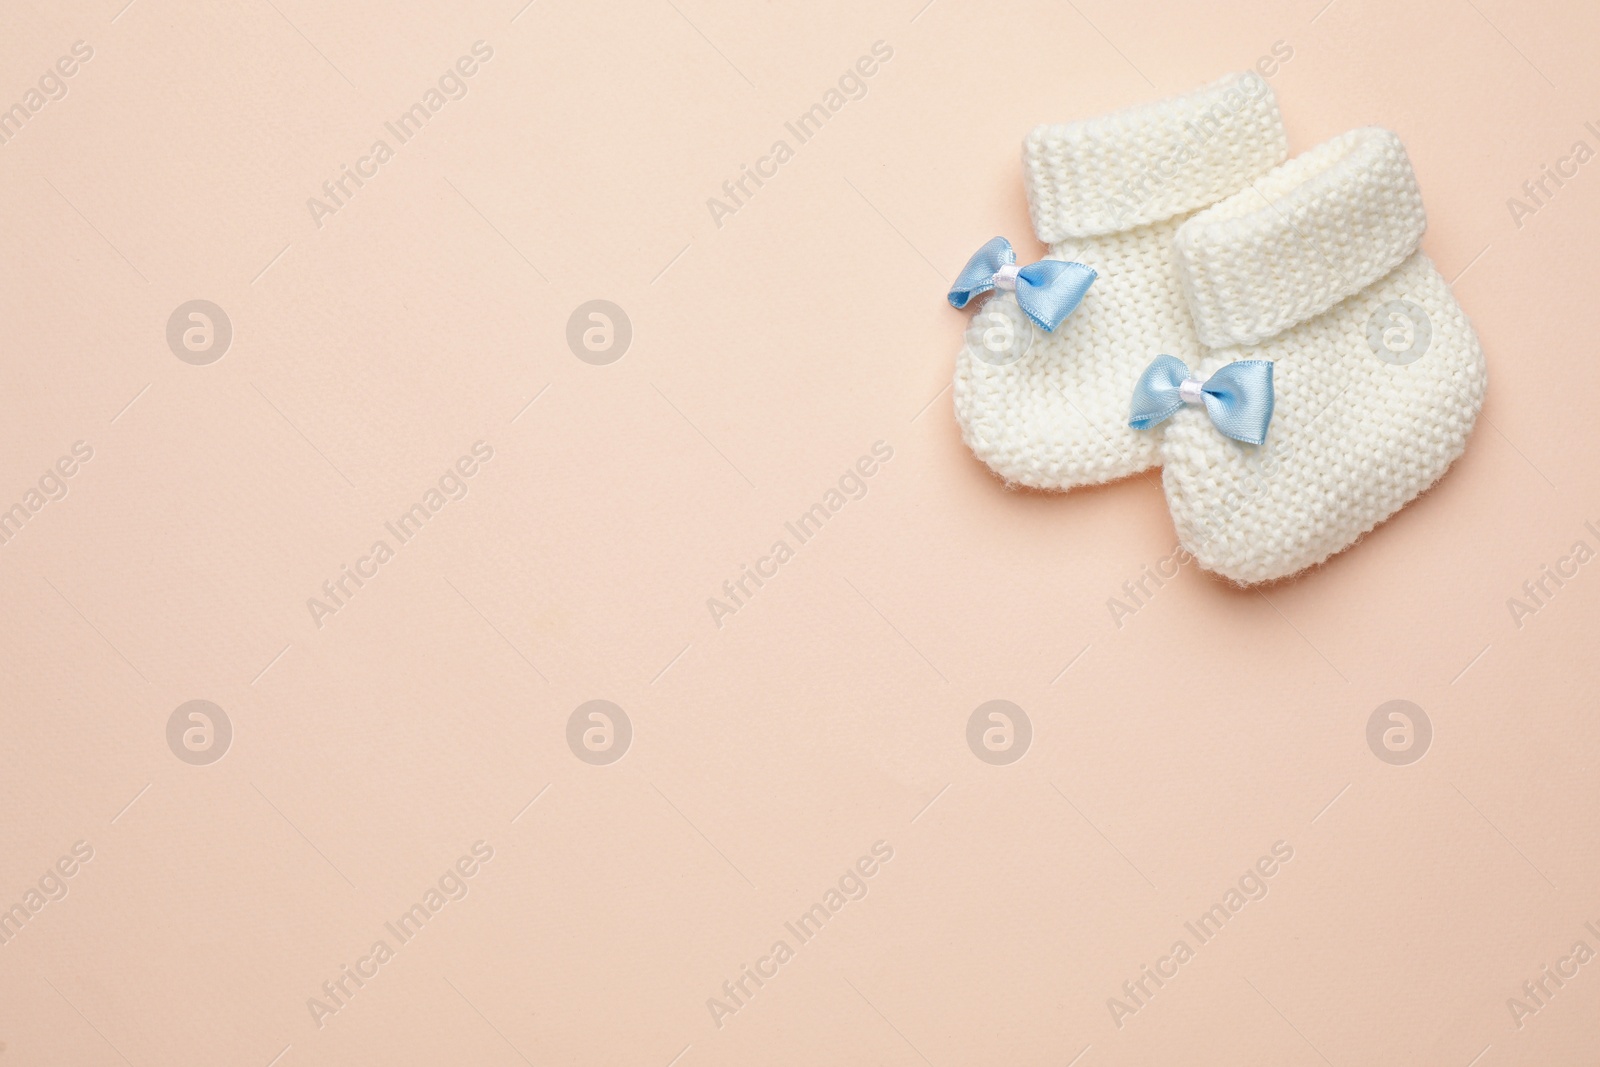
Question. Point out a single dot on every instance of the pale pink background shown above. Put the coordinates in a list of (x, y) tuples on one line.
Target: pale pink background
[(830, 712)]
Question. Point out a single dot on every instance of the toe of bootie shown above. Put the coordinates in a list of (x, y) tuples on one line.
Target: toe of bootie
[(1373, 402), (1047, 409), (1378, 376)]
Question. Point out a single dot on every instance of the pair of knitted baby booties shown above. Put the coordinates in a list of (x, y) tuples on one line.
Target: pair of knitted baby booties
[(1267, 332)]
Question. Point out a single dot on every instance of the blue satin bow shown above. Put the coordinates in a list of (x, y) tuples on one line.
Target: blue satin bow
[(1047, 291), (1238, 397)]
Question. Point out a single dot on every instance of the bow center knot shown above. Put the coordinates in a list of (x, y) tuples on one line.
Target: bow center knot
[(1006, 277), (1189, 391)]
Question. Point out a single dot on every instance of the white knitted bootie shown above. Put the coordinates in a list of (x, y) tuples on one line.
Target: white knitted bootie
[(1048, 409), (1375, 378)]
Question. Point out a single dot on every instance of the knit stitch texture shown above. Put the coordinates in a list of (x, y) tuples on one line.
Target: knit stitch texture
[(1378, 374), (1111, 193)]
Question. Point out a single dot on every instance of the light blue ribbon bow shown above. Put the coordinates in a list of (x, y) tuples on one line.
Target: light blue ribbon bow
[(1238, 397), (1047, 291)]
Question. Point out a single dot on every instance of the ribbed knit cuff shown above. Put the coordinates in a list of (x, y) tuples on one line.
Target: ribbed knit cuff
[(1316, 230), (1151, 162)]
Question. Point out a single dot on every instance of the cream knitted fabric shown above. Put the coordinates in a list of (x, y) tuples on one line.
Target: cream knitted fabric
[(1049, 410), (1378, 376)]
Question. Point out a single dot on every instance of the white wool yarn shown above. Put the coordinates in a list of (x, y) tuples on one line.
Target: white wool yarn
[(1049, 410), (1378, 376)]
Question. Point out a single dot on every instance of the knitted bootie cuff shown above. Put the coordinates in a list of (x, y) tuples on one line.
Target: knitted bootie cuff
[(1151, 162), (1315, 231)]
